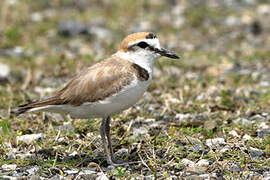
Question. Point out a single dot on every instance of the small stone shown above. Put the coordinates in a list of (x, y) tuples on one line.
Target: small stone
[(263, 125), (263, 9), (234, 133), (137, 132), (263, 133), (256, 28), (233, 167), (33, 170), (210, 125), (149, 121), (257, 154), (257, 117), (198, 148), (266, 175), (122, 152), (29, 138), (71, 171), (87, 172), (188, 162), (213, 143), (201, 97), (14, 52), (193, 140), (36, 17), (4, 70), (247, 137), (203, 162), (243, 121), (4, 73), (9, 166), (102, 176), (67, 126), (225, 149), (35, 177), (71, 27), (100, 32), (182, 116), (232, 21)]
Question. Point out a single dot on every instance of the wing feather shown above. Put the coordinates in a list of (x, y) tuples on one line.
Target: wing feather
[(90, 85)]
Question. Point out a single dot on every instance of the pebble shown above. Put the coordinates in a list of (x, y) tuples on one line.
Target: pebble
[(4, 70), (234, 133), (122, 152), (4, 73), (71, 27), (266, 175), (36, 17), (257, 117), (247, 137), (233, 167), (182, 116), (198, 148), (262, 133), (225, 149), (35, 177), (203, 162), (263, 125), (210, 124), (100, 32), (137, 132), (33, 170), (213, 143), (188, 162), (102, 176), (264, 9), (29, 138), (87, 172), (67, 126), (232, 21), (9, 166), (13, 52), (257, 154), (243, 121), (71, 171)]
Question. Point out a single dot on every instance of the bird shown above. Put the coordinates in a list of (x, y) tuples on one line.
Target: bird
[(107, 87)]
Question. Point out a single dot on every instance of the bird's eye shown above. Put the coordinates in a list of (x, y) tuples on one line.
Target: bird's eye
[(142, 45)]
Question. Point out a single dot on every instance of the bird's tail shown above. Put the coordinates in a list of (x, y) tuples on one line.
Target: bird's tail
[(32, 106)]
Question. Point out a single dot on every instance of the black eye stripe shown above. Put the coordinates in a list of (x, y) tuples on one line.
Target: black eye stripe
[(143, 45)]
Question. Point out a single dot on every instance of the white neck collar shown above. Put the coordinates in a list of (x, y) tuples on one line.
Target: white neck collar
[(144, 60)]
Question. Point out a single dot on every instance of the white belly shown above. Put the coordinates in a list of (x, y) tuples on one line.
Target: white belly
[(127, 97)]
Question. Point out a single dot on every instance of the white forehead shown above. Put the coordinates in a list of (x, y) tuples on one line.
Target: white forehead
[(152, 42)]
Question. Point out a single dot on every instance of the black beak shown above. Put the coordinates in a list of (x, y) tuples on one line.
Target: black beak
[(165, 52)]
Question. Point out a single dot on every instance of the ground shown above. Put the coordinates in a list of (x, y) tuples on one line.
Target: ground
[(205, 116)]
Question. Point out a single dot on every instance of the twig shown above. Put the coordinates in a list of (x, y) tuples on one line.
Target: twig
[(144, 162), (54, 162)]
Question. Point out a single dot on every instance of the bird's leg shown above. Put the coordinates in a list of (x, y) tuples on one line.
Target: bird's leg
[(108, 135), (103, 137), (107, 132)]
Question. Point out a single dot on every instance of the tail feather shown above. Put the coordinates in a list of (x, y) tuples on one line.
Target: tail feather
[(26, 107)]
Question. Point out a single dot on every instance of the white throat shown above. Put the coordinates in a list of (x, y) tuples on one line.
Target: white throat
[(143, 59)]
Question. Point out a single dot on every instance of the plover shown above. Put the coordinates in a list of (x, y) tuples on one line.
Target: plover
[(107, 87)]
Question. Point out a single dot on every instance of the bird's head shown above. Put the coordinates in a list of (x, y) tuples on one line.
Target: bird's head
[(144, 45)]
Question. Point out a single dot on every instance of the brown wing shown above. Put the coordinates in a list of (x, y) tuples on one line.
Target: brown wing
[(97, 82), (93, 84)]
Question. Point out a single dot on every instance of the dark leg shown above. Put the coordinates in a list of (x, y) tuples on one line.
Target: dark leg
[(108, 135), (103, 138)]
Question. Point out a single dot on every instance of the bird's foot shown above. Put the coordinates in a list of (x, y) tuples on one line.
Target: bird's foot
[(118, 162)]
